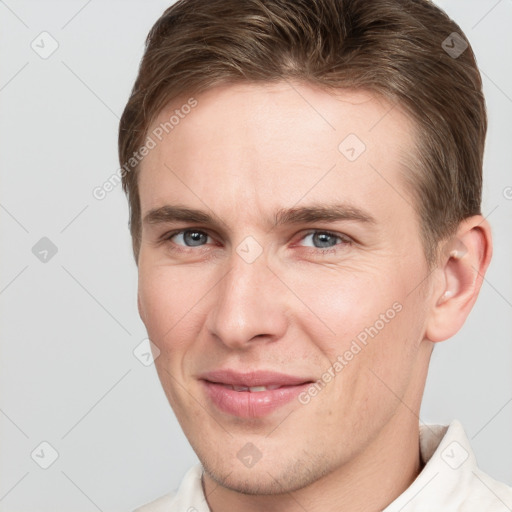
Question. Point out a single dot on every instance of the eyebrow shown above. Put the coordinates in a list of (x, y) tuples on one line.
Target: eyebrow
[(283, 216)]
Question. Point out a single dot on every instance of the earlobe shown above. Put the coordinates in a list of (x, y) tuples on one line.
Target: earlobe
[(463, 265)]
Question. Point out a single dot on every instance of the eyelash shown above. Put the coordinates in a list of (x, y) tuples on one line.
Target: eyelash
[(345, 241)]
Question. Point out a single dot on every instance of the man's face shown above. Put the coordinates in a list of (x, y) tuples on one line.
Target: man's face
[(313, 256)]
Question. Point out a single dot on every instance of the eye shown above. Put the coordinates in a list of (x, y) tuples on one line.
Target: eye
[(324, 240), (189, 238)]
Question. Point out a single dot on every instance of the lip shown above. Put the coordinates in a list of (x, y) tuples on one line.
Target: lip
[(254, 378), (251, 404)]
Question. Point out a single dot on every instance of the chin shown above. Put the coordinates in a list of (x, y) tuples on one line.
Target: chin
[(267, 479)]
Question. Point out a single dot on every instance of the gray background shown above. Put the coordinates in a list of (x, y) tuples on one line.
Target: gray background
[(68, 374)]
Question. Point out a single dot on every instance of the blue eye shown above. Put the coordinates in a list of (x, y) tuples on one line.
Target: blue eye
[(190, 238), (324, 239)]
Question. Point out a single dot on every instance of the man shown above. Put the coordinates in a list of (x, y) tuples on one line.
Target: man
[(304, 182)]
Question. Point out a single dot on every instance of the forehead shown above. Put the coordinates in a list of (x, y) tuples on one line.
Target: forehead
[(274, 145)]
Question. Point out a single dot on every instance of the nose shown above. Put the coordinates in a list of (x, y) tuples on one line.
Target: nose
[(248, 305)]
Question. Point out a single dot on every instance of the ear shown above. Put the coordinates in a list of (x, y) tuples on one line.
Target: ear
[(462, 265)]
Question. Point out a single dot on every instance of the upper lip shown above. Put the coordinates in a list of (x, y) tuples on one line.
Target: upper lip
[(254, 378)]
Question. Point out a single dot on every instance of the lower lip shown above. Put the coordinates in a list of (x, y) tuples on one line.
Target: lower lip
[(247, 404)]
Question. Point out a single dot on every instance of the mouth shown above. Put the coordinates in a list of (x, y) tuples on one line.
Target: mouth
[(251, 389), (254, 379), (253, 394)]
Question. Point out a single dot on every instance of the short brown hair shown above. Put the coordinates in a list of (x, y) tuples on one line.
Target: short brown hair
[(399, 49)]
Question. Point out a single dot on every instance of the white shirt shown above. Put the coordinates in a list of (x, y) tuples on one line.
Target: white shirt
[(449, 482)]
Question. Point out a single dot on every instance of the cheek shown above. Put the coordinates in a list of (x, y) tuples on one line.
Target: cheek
[(167, 299), (363, 325), (347, 304)]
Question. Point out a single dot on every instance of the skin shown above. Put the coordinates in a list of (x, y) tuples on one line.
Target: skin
[(243, 153)]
